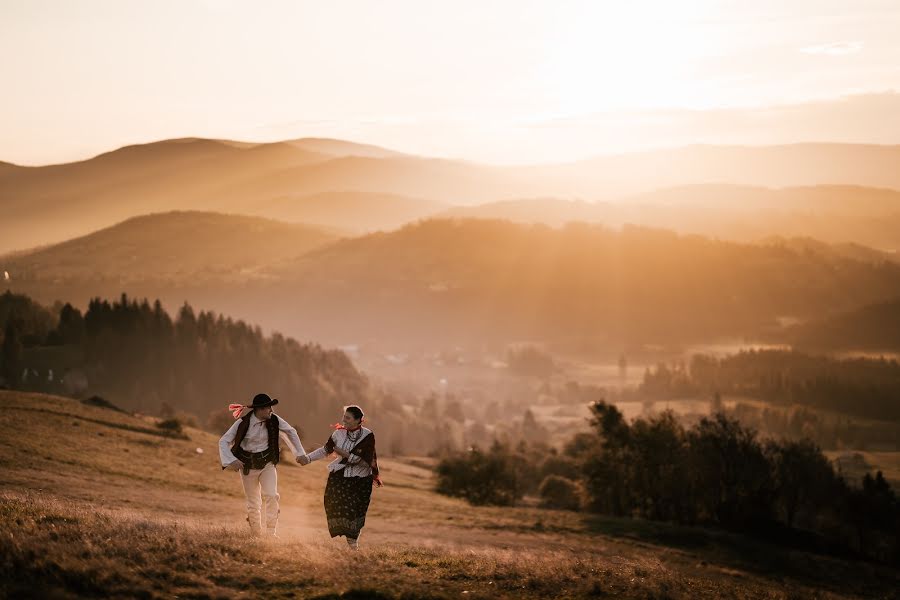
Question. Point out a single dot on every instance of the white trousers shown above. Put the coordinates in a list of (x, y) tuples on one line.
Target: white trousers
[(263, 480)]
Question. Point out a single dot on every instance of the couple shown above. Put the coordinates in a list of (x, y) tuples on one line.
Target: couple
[(251, 446)]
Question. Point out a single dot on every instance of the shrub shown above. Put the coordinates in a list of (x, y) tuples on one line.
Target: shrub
[(480, 478), (560, 492), (187, 419), (101, 403), (170, 425), (563, 466)]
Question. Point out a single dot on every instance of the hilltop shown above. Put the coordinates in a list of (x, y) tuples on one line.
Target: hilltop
[(97, 502)]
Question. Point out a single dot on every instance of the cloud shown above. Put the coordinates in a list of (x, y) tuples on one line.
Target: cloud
[(835, 48)]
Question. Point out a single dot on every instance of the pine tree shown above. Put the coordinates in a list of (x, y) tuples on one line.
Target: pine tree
[(11, 355)]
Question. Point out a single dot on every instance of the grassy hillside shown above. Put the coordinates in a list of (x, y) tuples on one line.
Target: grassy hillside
[(193, 249), (99, 502)]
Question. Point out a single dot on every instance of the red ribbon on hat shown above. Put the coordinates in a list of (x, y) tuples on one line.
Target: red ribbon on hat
[(236, 410)]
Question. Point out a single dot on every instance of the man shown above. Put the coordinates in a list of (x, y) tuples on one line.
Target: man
[(251, 446)]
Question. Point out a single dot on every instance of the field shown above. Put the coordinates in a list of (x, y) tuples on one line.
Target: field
[(95, 502)]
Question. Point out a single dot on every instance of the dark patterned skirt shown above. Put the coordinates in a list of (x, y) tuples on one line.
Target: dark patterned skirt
[(346, 503)]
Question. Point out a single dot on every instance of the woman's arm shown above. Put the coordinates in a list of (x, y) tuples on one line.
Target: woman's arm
[(322, 452), (364, 452), (352, 459), (317, 454)]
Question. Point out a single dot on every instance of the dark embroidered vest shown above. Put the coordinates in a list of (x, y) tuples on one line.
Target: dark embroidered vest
[(270, 454)]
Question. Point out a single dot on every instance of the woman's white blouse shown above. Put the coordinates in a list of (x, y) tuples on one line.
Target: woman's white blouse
[(356, 468)]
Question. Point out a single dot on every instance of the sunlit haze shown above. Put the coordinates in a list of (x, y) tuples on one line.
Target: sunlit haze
[(502, 82), (612, 286)]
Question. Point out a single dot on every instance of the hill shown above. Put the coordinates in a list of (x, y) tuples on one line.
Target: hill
[(99, 502), (444, 282), (789, 165), (468, 280), (51, 203), (335, 147), (349, 211), (169, 250), (874, 328), (830, 213)]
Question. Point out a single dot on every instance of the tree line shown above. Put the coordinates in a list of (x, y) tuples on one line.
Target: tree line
[(137, 356), (132, 354), (716, 472), (863, 387)]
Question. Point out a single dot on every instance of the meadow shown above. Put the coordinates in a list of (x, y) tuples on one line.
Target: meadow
[(96, 502)]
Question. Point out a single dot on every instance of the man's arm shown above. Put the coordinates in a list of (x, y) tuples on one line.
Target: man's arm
[(293, 439), (226, 457)]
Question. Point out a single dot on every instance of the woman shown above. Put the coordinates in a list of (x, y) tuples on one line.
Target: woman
[(350, 476)]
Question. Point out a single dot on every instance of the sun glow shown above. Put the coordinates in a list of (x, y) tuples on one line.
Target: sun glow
[(628, 57)]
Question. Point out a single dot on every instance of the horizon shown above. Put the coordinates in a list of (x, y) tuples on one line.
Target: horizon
[(188, 138)]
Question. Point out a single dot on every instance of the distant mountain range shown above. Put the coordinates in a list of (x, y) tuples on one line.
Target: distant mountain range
[(464, 279), (446, 281), (832, 213), (49, 204)]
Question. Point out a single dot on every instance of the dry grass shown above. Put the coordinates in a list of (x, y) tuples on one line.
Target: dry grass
[(123, 512), (57, 549)]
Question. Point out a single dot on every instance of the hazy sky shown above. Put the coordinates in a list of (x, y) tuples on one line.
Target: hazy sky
[(500, 81)]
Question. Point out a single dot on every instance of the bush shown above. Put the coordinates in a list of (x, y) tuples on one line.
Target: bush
[(187, 419), (563, 466), (170, 425), (480, 478), (101, 403), (559, 492)]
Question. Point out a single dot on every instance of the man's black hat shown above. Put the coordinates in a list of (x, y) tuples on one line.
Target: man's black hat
[(262, 401)]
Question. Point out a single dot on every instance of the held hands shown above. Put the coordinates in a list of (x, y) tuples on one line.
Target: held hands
[(303, 460), (235, 466)]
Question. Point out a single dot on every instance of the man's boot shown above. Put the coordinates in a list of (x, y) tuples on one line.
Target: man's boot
[(270, 532)]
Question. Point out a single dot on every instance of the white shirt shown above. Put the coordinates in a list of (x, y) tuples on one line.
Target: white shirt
[(257, 438), (356, 467)]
